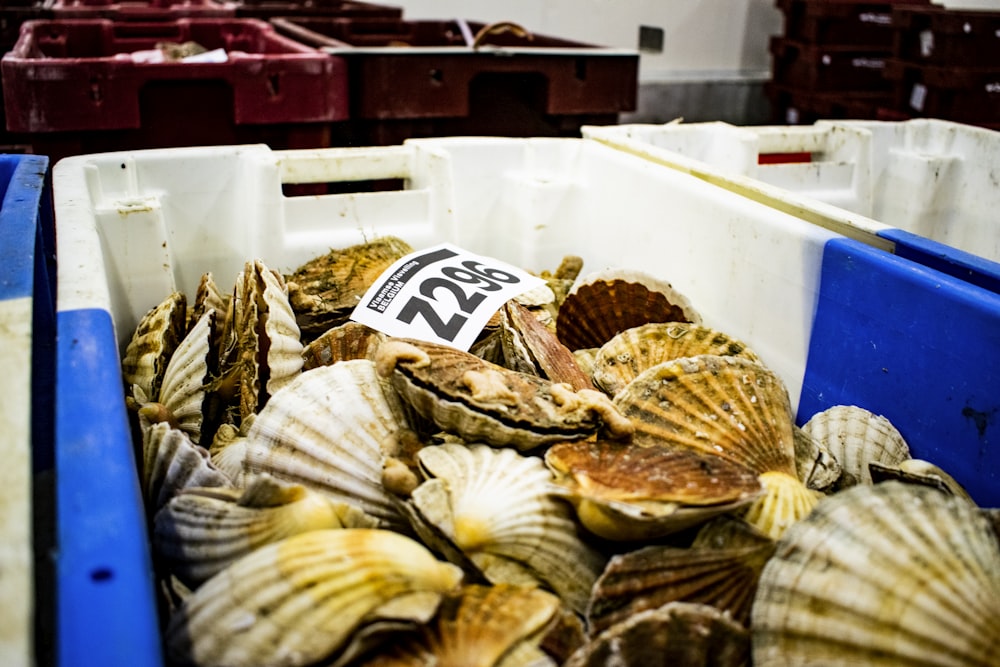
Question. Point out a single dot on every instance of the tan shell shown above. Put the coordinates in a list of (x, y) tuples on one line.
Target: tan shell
[(856, 437), (627, 492), (207, 297), (298, 601), (632, 351), (325, 290), (529, 347), (201, 531), (918, 471), (351, 340), (496, 506), (331, 430), (153, 342), (678, 633), (481, 626), (172, 463), (482, 402), (586, 360), (785, 500), (815, 466), (228, 451), (605, 303), (890, 574)]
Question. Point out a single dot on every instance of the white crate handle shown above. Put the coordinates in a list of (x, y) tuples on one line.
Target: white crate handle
[(791, 139), (341, 165)]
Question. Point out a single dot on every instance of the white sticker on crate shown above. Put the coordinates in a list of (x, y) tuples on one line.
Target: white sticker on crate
[(918, 95), (443, 294)]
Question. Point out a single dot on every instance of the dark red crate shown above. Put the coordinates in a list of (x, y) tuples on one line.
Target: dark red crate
[(826, 67), (794, 106), (142, 10), (961, 94), (831, 22), (433, 78), (266, 9), (70, 86), (947, 37)]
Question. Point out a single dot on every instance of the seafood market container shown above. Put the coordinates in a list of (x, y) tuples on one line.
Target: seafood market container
[(455, 77), (76, 86), (857, 22), (909, 186), (963, 94), (142, 10), (27, 364), (265, 9), (837, 320), (794, 105), (827, 67), (936, 35)]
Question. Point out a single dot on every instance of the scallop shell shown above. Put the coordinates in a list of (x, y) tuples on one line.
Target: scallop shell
[(626, 492), (172, 463), (918, 471), (890, 574), (207, 297), (605, 303), (586, 360), (153, 342), (202, 531), (325, 290), (815, 466), (496, 506), (228, 451), (528, 347), (298, 601), (351, 340), (482, 402), (632, 351), (678, 633), (331, 430), (856, 437), (482, 626), (785, 500)]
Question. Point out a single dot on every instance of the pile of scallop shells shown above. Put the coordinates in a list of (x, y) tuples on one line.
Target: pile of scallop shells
[(602, 480)]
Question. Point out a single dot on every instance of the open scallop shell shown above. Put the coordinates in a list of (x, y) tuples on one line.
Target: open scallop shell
[(890, 574), (856, 437), (678, 633), (208, 297), (153, 342), (201, 531), (496, 506), (482, 402), (605, 303), (172, 463), (627, 492), (297, 601), (529, 347), (351, 340), (331, 430), (634, 350)]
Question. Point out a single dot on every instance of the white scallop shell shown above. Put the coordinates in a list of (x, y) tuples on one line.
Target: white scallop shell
[(228, 451), (183, 391), (152, 344), (498, 507), (331, 429), (171, 463), (856, 437), (297, 601), (891, 574)]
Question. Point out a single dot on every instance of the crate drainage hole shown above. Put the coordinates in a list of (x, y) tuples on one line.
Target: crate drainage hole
[(101, 574)]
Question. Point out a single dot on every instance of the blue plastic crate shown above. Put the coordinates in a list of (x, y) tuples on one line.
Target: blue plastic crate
[(27, 365)]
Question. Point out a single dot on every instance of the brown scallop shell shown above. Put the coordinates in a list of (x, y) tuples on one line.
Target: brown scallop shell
[(351, 340), (632, 351), (153, 342), (606, 303), (529, 347), (483, 402)]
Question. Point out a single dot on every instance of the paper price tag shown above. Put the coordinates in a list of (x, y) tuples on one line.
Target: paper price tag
[(441, 295)]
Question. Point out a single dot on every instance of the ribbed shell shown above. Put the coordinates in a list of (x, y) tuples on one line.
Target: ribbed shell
[(172, 463), (814, 464), (207, 297), (497, 507), (785, 500), (186, 376), (678, 634), (200, 532), (890, 574), (856, 437), (632, 351), (728, 406), (351, 340), (331, 430), (478, 628), (153, 342), (605, 303), (228, 451), (529, 347), (297, 601)]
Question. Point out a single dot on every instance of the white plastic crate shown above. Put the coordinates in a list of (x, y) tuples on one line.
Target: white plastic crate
[(866, 179), (134, 226)]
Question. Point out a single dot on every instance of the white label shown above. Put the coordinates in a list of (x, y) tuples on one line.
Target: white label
[(441, 295), (917, 96), (868, 63), (874, 17), (926, 43)]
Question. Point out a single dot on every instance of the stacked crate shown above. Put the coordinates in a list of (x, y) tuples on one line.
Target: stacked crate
[(829, 61), (946, 64)]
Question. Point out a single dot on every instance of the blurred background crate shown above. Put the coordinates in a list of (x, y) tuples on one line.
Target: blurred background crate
[(266, 9)]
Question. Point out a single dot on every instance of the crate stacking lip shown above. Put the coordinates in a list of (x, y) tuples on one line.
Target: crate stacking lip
[(839, 321), (265, 9), (138, 10), (77, 74), (865, 23)]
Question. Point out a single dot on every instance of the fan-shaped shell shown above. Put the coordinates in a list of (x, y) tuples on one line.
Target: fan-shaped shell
[(351, 340), (918, 471), (890, 574), (331, 430), (172, 463), (634, 350), (228, 451), (208, 297), (529, 347), (202, 531), (815, 466), (153, 342), (785, 500), (678, 633), (297, 601), (497, 507), (482, 402), (605, 303), (627, 492), (856, 437)]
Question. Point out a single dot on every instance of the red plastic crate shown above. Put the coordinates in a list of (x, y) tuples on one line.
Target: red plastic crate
[(827, 67), (947, 37), (795, 106), (142, 10), (266, 9), (856, 22), (962, 94), (432, 78)]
